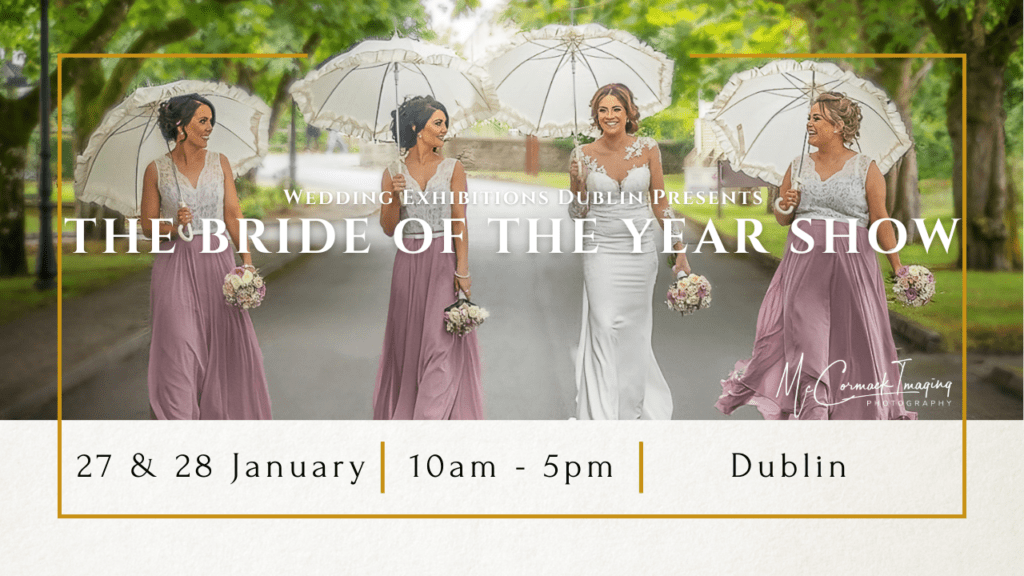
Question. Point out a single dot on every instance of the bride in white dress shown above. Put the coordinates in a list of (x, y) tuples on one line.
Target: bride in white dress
[(617, 375)]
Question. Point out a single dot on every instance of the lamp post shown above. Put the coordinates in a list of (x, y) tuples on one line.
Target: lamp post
[(46, 265)]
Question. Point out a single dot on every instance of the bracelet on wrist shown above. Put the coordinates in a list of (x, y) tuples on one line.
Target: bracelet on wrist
[(457, 275)]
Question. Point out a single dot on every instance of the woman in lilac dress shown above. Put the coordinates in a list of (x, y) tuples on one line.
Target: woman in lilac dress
[(204, 360), (824, 347), (425, 372)]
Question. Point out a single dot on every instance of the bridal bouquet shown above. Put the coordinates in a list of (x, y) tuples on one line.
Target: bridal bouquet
[(914, 285), (463, 317), (689, 293), (244, 288)]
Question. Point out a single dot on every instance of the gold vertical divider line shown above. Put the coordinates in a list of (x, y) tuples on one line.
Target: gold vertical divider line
[(641, 467), (60, 271), (382, 467)]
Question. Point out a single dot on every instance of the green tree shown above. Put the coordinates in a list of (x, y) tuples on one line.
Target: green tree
[(22, 114), (172, 26), (236, 27), (989, 34)]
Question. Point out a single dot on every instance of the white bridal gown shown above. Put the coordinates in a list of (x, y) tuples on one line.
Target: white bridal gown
[(617, 376)]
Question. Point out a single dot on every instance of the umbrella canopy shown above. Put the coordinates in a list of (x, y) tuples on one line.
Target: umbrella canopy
[(128, 139), (545, 77), (355, 92), (760, 116)]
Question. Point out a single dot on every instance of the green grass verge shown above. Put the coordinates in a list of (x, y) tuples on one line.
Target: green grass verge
[(259, 201), (81, 274), (995, 320), (32, 221), (67, 190), (554, 180), (32, 206)]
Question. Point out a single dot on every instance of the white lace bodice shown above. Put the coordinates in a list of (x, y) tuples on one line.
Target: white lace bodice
[(610, 201), (426, 209), (842, 196), (206, 199)]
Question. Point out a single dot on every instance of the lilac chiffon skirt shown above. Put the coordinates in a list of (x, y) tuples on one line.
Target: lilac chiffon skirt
[(824, 347), (425, 373), (204, 360)]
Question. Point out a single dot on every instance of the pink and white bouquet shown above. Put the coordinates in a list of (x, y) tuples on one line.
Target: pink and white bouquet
[(463, 317), (244, 288), (688, 294), (914, 285)]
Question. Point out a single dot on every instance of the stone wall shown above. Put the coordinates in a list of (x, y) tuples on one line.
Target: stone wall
[(509, 155)]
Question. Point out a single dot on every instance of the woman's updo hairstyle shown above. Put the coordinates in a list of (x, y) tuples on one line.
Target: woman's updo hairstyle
[(413, 115), (178, 111), (623, 94), (843, 113)]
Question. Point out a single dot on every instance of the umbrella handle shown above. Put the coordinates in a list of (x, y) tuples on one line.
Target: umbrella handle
[(577, 156), (185, 231), (778, 207), (778, 201)]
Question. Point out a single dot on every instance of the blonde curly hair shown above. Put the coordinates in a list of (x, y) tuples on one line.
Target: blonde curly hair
[(842, 113)]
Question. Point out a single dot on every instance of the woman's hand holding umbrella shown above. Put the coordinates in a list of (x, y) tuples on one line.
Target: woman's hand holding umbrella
[(185, 222), (787, 202), (577, 175), (398, 184)]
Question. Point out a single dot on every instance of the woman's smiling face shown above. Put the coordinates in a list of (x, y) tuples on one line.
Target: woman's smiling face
[(199, 128), (611, 115), (434, 132), (820, 128)]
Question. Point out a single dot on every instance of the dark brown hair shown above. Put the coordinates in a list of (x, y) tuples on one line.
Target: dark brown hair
[(842, 113), (414, 113), (178, 111), (623, 94)]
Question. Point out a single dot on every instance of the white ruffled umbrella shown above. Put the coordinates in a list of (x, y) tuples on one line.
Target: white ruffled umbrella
[(128, 139), (545, 77), (356, 92), (760, 116)]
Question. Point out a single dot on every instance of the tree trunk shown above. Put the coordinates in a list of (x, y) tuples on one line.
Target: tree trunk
[(1013, 248), (20, 119), (903, 196), (954, 119), (281, 95), (906, 192), (13, 261), (985, 216)]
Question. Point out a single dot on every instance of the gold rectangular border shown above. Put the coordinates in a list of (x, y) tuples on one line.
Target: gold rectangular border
[(60, 339)]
